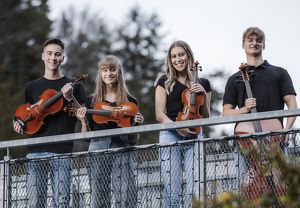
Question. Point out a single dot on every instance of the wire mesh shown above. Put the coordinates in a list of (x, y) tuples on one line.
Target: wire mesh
[(151, 176)]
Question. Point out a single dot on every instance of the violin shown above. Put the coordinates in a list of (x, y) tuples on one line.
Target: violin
[(102, 112), (192, 102), (31, 116), (259, 183)]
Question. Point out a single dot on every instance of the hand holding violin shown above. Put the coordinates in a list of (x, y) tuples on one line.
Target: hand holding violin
[(198, 89), (138, 118), (80, 114), (67, 91), (249, 104), (18, 127)]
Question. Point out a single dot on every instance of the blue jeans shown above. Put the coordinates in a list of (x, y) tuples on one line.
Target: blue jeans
[(37, 181), (177, 162), (113, 180), (241, 166)]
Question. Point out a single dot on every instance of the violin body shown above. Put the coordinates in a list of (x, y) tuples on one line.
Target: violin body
[(192, 103), (32, 116), (122, 115), (248, 128)]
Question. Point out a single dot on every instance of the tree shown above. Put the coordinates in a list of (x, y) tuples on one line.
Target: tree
[(24, 26), (217, 76), (138, 40), (87, 40)]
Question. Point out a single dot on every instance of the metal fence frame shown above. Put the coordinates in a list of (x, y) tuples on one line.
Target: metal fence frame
[(4, 164)]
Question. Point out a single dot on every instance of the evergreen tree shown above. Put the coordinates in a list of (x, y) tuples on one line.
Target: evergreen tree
[(24, 26), (87, 39), (138, 44)]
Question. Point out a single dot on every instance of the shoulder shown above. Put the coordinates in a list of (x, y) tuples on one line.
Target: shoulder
[(274, 68), (34, 83), (161, 80)]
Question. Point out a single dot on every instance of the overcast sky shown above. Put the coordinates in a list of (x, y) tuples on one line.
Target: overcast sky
[(213, 28)]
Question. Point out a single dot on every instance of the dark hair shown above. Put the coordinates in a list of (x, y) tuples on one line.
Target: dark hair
[(55, 41)]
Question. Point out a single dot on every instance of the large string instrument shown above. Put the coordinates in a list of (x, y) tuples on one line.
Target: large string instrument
[(257, 180), (31, 116), (192, 102)]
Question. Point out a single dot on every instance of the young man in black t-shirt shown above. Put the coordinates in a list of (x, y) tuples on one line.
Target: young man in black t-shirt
[(55, 124), (272, 88)]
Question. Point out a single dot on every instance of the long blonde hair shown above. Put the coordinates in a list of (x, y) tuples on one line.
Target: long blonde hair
[(171, 72), (110, 61)]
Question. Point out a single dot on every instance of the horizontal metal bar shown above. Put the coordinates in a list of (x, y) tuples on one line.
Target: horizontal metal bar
[(150, 127)]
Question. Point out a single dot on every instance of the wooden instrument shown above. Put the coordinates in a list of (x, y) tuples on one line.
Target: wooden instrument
[(122, 115), (191, 102), (258, 182), (31, 116)]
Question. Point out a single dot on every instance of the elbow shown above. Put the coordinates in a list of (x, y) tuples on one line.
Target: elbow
[(159, 117)]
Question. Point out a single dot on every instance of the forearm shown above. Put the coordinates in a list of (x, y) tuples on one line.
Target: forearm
[(231, 112), (291, 103), (85, 126), (163, 118), (73, 103), (290, 122)]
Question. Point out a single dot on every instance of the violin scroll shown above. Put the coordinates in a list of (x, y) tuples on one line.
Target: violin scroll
[(196, 66), (246, 73)]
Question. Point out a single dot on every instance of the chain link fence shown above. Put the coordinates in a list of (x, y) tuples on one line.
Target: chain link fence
[(151, 175)]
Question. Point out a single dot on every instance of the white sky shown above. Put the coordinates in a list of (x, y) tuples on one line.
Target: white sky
[(213, 28)]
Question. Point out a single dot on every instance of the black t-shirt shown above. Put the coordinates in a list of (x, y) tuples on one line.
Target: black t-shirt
[(269, 85), (58, 123), (174, 103), (110, 125)]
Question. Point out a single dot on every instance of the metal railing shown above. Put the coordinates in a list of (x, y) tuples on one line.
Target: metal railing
[(153, 175)]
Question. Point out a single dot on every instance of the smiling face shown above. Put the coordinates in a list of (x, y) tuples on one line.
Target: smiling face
[(254, 45), (179, 58), (52, 57), (109, 74)]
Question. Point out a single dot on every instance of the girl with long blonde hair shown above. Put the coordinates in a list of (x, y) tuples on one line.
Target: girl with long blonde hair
[(111, 90), (177, 78)]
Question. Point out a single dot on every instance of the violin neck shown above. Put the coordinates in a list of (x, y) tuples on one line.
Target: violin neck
[(99, 112), (193, 99), (53, 99), (256, 124), (57, 96), (193, 95)]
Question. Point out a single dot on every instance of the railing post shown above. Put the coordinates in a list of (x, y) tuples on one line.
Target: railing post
[(6, 183), (202, 173)]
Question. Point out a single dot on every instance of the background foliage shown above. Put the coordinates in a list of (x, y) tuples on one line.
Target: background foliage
[(138, 41)]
